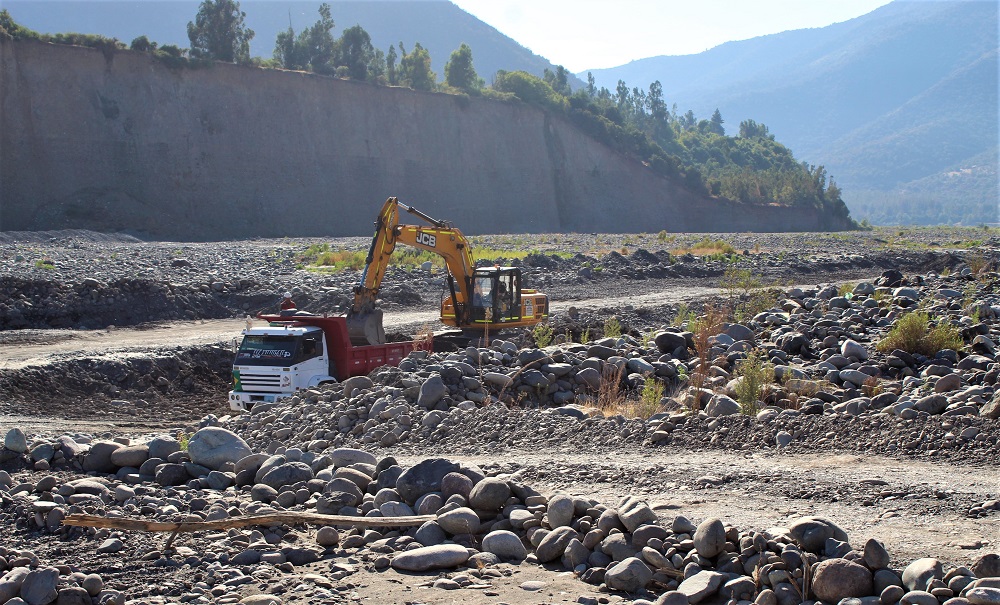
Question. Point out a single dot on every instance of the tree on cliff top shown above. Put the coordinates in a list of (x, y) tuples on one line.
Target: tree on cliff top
[(415, 69), (313, 49), (218, 32), (459, 72)]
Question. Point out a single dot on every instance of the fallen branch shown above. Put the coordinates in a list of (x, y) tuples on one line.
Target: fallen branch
[(292, 518)]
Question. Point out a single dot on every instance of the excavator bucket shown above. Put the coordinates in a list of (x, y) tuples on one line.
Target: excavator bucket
[(366, 328)]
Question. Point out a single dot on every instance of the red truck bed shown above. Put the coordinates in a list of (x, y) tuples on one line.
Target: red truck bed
[(349, 360)]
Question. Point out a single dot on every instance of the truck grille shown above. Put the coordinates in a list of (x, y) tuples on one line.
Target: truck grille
[(259, 382)]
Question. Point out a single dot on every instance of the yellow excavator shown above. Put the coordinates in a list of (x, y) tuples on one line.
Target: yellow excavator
[(480, 299)]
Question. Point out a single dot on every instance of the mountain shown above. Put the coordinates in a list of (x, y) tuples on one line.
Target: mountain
[(439, 26), (892, 102)]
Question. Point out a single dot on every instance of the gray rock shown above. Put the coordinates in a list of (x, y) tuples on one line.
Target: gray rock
[(441, 556), (39, 586), (432, 391), (987, 566), (575, 554), (498, 379), (811, 533), (73, 595), (42, 451), (15, 441), (219, 481), (98, 459), (836, 579), (327, 536), (983, 596), (633, 512), (287, 474), (461, 520), (301, 555), (132, 455), (430, 533), (554, 544), (673, 597), (668, 342), (875, 555), (701, 585), (395, 509), (161, 447), (424, 477), (722, 405), (710, 538), (346, 456), (682, 525), (885, 578), (948, 382), (212, 447), (630, 575), (918, 573), (356, 383), (560, 511), (505, 544), (457, 483), (111, 545), (619, 547), (992, 408), (932, 404), (171, 474), (489, 494), (918, 597), (853, 349)]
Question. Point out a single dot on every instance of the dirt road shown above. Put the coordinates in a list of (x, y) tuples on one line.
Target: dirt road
[(25, 348)]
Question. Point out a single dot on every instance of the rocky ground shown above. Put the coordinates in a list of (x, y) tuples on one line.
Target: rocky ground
[(629, 467)]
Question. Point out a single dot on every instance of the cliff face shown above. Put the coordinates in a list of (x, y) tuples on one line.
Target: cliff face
[(118, 141)]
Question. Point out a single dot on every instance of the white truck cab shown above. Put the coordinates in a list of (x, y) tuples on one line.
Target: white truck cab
[(276, 361)]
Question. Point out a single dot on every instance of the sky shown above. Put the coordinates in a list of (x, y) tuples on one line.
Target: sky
[(594, 34)]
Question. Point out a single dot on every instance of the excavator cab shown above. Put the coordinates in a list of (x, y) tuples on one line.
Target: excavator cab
[(496, 295)]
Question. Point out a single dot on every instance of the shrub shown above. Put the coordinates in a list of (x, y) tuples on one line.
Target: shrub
[(612, 327), (913, 334), (754, 374), (542, 335)]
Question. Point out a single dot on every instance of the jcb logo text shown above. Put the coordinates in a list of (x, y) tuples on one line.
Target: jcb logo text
[(426, 239)]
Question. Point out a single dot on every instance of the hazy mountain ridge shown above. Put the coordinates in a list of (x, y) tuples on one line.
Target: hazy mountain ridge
[(889, 98)]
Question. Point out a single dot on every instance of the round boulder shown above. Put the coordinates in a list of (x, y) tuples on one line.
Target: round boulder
[(213, 447), (489, 494), (837, 579)]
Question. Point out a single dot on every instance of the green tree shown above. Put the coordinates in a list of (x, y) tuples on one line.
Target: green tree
[(218, 32), (142, 44), (558, 80), (390, 65), (591, 85), (530, 89), (356, 52), (715, 124), (415, 68), (459, 72)]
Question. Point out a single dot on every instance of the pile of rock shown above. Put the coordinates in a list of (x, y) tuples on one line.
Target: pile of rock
[(478, 521)]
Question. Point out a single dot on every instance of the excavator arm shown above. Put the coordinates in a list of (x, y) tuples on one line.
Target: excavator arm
[(364, 321)]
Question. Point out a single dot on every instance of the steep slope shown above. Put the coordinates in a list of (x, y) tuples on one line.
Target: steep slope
[(895, 96), (439, 26), (116, 140)]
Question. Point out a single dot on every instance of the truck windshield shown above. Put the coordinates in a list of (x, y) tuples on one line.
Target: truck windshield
[(267, 351)]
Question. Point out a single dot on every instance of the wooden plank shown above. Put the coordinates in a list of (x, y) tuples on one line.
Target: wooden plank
[(291, 518)]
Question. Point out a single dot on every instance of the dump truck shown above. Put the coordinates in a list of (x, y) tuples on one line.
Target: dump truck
[(292, 352)]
